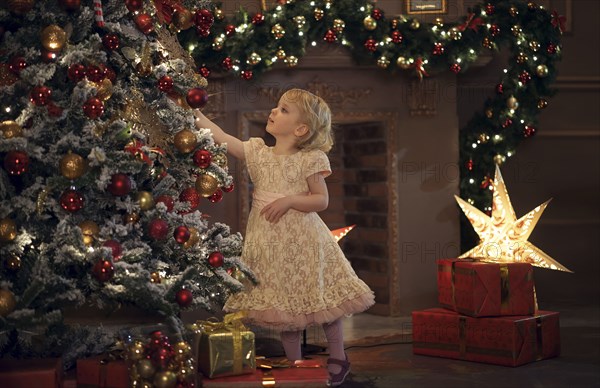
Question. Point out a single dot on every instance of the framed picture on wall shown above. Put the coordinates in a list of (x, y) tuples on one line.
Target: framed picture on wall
[(426, 6)]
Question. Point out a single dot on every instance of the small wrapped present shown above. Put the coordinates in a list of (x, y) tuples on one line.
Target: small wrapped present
[(299, 374), (224, 348), (480, 289), (42, 373), (510, 340), (102, 371)]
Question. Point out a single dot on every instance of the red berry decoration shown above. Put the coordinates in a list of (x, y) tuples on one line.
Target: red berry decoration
[(528, 131), (489, 9), (115, 246), (455, 68), (70, 5), (190, 195), (227, 63), (246, 75), (119, 185), (181, 234), (165, 83), (371, 45), (204, 19), (93, 108), (196, 98), (469, 165), (202, 158), (95, 73), (499, 88), (397, 37), (229, 30), (229, 188), (111, 41), (494, 30), (40, 95), (217, 196), (103, 270), (524, 77), (438, 49), (158, 229), (144, 23), (377, 14), (258, 19), (16, 162), (215, 259), (330, 36), (551, 49), (134, 5), (17, 64), (167, 200), (184, 298), (204, 71), (507, 123), (76, 72), (71, 200)]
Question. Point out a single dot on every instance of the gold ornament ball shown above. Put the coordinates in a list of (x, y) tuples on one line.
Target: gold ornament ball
[(206, 185), (20, 7), (513, 11), (489, 113), (483, 138), (104, 89), (183, 19), (219, 14), (182, 348), (369, 23), (90, 231), (217, 44), (531, 5), (136, 351), (131, 218), (516, 30), (7, 302), (487, 43), (145, 368), (185, 141), (300, 21), (439, 22), (542, 103), (145, 200), (534, 45), (13, 263), (143, 68), (394, 23), (8, 230), (238, 275), (455, 33), (318, 14), (254, 59), (521, 58), (11, 129), (383, 62), (403, 63), (498, 159), (7, 77), (72, 166), (140, 383), (512, 103), (194, 238), (281, 54), (291, 61), (220, 160), (339, 25), (166, 379), (278, 31), (53, 38), (541, 70), (155, 277), (415, 24)]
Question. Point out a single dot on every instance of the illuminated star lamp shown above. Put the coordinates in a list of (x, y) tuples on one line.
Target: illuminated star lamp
[(503, 238), (340, 233)]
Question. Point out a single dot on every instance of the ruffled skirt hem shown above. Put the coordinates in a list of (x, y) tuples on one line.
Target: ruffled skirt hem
[(279, 320)]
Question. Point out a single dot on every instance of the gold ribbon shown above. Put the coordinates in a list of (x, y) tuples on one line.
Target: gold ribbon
[(231, 323), (504, 288)]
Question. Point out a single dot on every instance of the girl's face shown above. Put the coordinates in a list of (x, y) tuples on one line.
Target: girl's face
[(284, 119)]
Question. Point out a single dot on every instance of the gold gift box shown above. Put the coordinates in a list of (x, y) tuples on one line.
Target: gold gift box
[(224, 348)]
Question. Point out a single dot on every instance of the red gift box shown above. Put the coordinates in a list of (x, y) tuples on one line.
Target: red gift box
[(481, 289), (510, 341), (100, 371), (302, 374), (39, 373)]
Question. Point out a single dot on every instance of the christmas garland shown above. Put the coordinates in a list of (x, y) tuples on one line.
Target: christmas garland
[(249, 45)]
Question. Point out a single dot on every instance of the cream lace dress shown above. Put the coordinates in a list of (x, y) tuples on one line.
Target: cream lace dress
[(304, 277)]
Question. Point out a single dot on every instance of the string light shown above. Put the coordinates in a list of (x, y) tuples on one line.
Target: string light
[(471, 180), (191, 48)]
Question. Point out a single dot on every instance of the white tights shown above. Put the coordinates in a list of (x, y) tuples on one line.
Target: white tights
[(335, 341)]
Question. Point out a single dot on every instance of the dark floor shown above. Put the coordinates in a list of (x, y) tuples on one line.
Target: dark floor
[(381, 354)]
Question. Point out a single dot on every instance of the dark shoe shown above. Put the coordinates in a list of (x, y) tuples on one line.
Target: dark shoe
[(338, 378)]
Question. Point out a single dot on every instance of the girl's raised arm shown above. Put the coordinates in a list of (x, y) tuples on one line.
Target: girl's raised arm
[(235, 146)]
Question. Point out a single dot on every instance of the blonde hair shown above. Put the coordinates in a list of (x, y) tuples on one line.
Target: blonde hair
[(317, 117)]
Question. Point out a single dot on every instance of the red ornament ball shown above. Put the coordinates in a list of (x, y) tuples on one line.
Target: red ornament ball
[(489, 9), (469, 165), (528, 131), (330, 36), (167, 200), (202, 158), (103, 270), (551, 49), (184, 298), (216, 259), (377, 13), (507, 123), (16, 162), (165, 83), (109, 73), (190, 195), (455, 68), (246, 75), (93, 108), (227, 63), (182, 234), (371, 45), (111, 41), (204, 71), (144, 23), (438, 49), (119, 185), (258, 19), (204, 19), (229, 188), (196, 98), (217, 196), (203, 32), (134, 5), (70, 5), (40, 95), (71, 200), (76, 72), (115, 246), (158, 229), (499, 88), (95, 73), (397, 37), (17, 64), (229, 30), (494, 30), (524, 77), (48, 56), (54, 110)]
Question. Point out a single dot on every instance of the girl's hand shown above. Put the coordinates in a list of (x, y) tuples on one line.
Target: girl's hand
[(276, 209)]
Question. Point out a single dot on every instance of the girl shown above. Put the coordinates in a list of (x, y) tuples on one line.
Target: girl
[(304, 277)]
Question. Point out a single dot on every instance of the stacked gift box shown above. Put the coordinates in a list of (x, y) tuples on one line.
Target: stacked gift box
[(489, 314)]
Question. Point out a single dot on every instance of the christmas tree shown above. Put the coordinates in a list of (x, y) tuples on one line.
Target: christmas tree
[(103, 173)]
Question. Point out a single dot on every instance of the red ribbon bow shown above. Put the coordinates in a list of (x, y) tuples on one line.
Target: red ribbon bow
[(472, 22), (558, 21), (420, 68), (136, 148)]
